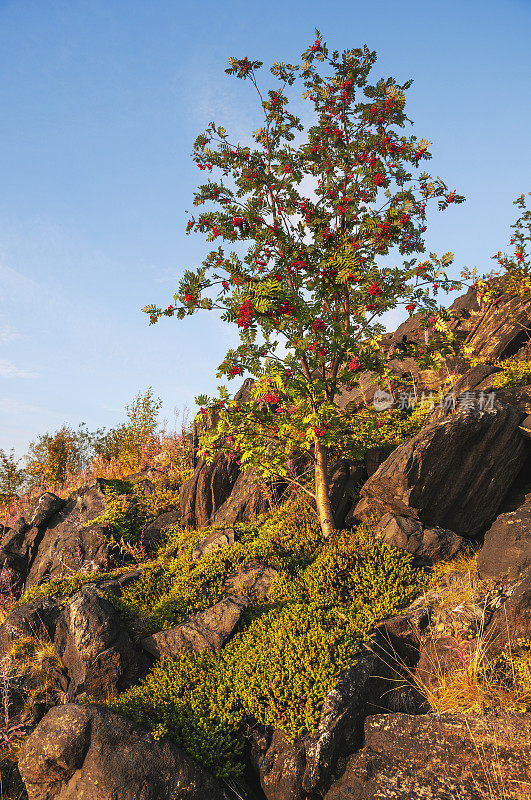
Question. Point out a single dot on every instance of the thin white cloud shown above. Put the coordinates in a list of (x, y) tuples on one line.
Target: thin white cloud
[(10, 370), (8, 333)]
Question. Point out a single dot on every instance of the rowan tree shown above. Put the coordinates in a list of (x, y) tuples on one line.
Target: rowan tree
[(311, 214)]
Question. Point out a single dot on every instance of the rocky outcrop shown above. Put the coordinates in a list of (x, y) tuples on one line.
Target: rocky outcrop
[(208, 630), (206, 490), (88, 752), (95, 648), (453, 474), (427, 545), (248, 498), (69, 542), (506, 549), (463, 756), (20, 544), (88, 637)]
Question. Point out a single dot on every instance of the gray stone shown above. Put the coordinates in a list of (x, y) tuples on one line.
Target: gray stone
[(248, 498), (214, 541), (443, 757), (95, 648), (70, 543), (255, 577), (208, 630), (427, 545), (506, 548), (454, 473), (82, 752)]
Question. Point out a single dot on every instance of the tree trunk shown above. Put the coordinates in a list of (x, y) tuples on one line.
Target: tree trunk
[(322, 489)]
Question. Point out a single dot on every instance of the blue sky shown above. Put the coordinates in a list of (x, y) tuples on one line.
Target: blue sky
[(101, 102)]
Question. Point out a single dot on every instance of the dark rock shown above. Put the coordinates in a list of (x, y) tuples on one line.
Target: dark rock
[(454, 473), (37, 619), (304, 768), (450, 757), (512, 621), (255, 577), (95, 648), (85, 752), (206, 490), (208, 630), (248, 498), (11, 784), (525, 427), (502, 327), (70, 543), (479, 376), (152, 535), (397, 640), (213, 541), (506, 549), (20, 543), (517, 396), (121, 581), (45, 507), (347, 476), (427, 545), (374, 457)]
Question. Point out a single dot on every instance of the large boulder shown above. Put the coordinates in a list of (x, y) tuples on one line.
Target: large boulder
[(206, 490), (454, 473), (427, 545), (88, 753), (37, 619), (95, 648), (506, 549), (248, 498), (450, 757), (71, 541), (207, 630)]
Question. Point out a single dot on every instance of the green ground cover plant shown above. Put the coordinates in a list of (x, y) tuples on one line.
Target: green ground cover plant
[(289, 649)]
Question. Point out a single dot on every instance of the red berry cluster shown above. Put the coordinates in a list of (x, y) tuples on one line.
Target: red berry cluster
[(245, 315)]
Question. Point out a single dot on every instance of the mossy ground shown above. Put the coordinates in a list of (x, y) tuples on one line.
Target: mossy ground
[(288, 650)]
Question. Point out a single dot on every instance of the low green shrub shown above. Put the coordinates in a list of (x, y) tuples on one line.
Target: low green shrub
[(514, 373), (64, 587), (289, 650)]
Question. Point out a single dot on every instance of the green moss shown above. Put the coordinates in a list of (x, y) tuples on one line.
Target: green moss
[(64, 587), (288, 651), (514, 373)]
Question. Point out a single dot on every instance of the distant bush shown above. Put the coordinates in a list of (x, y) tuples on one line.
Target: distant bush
[(53, 457), (131, 442), (12, 477)]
